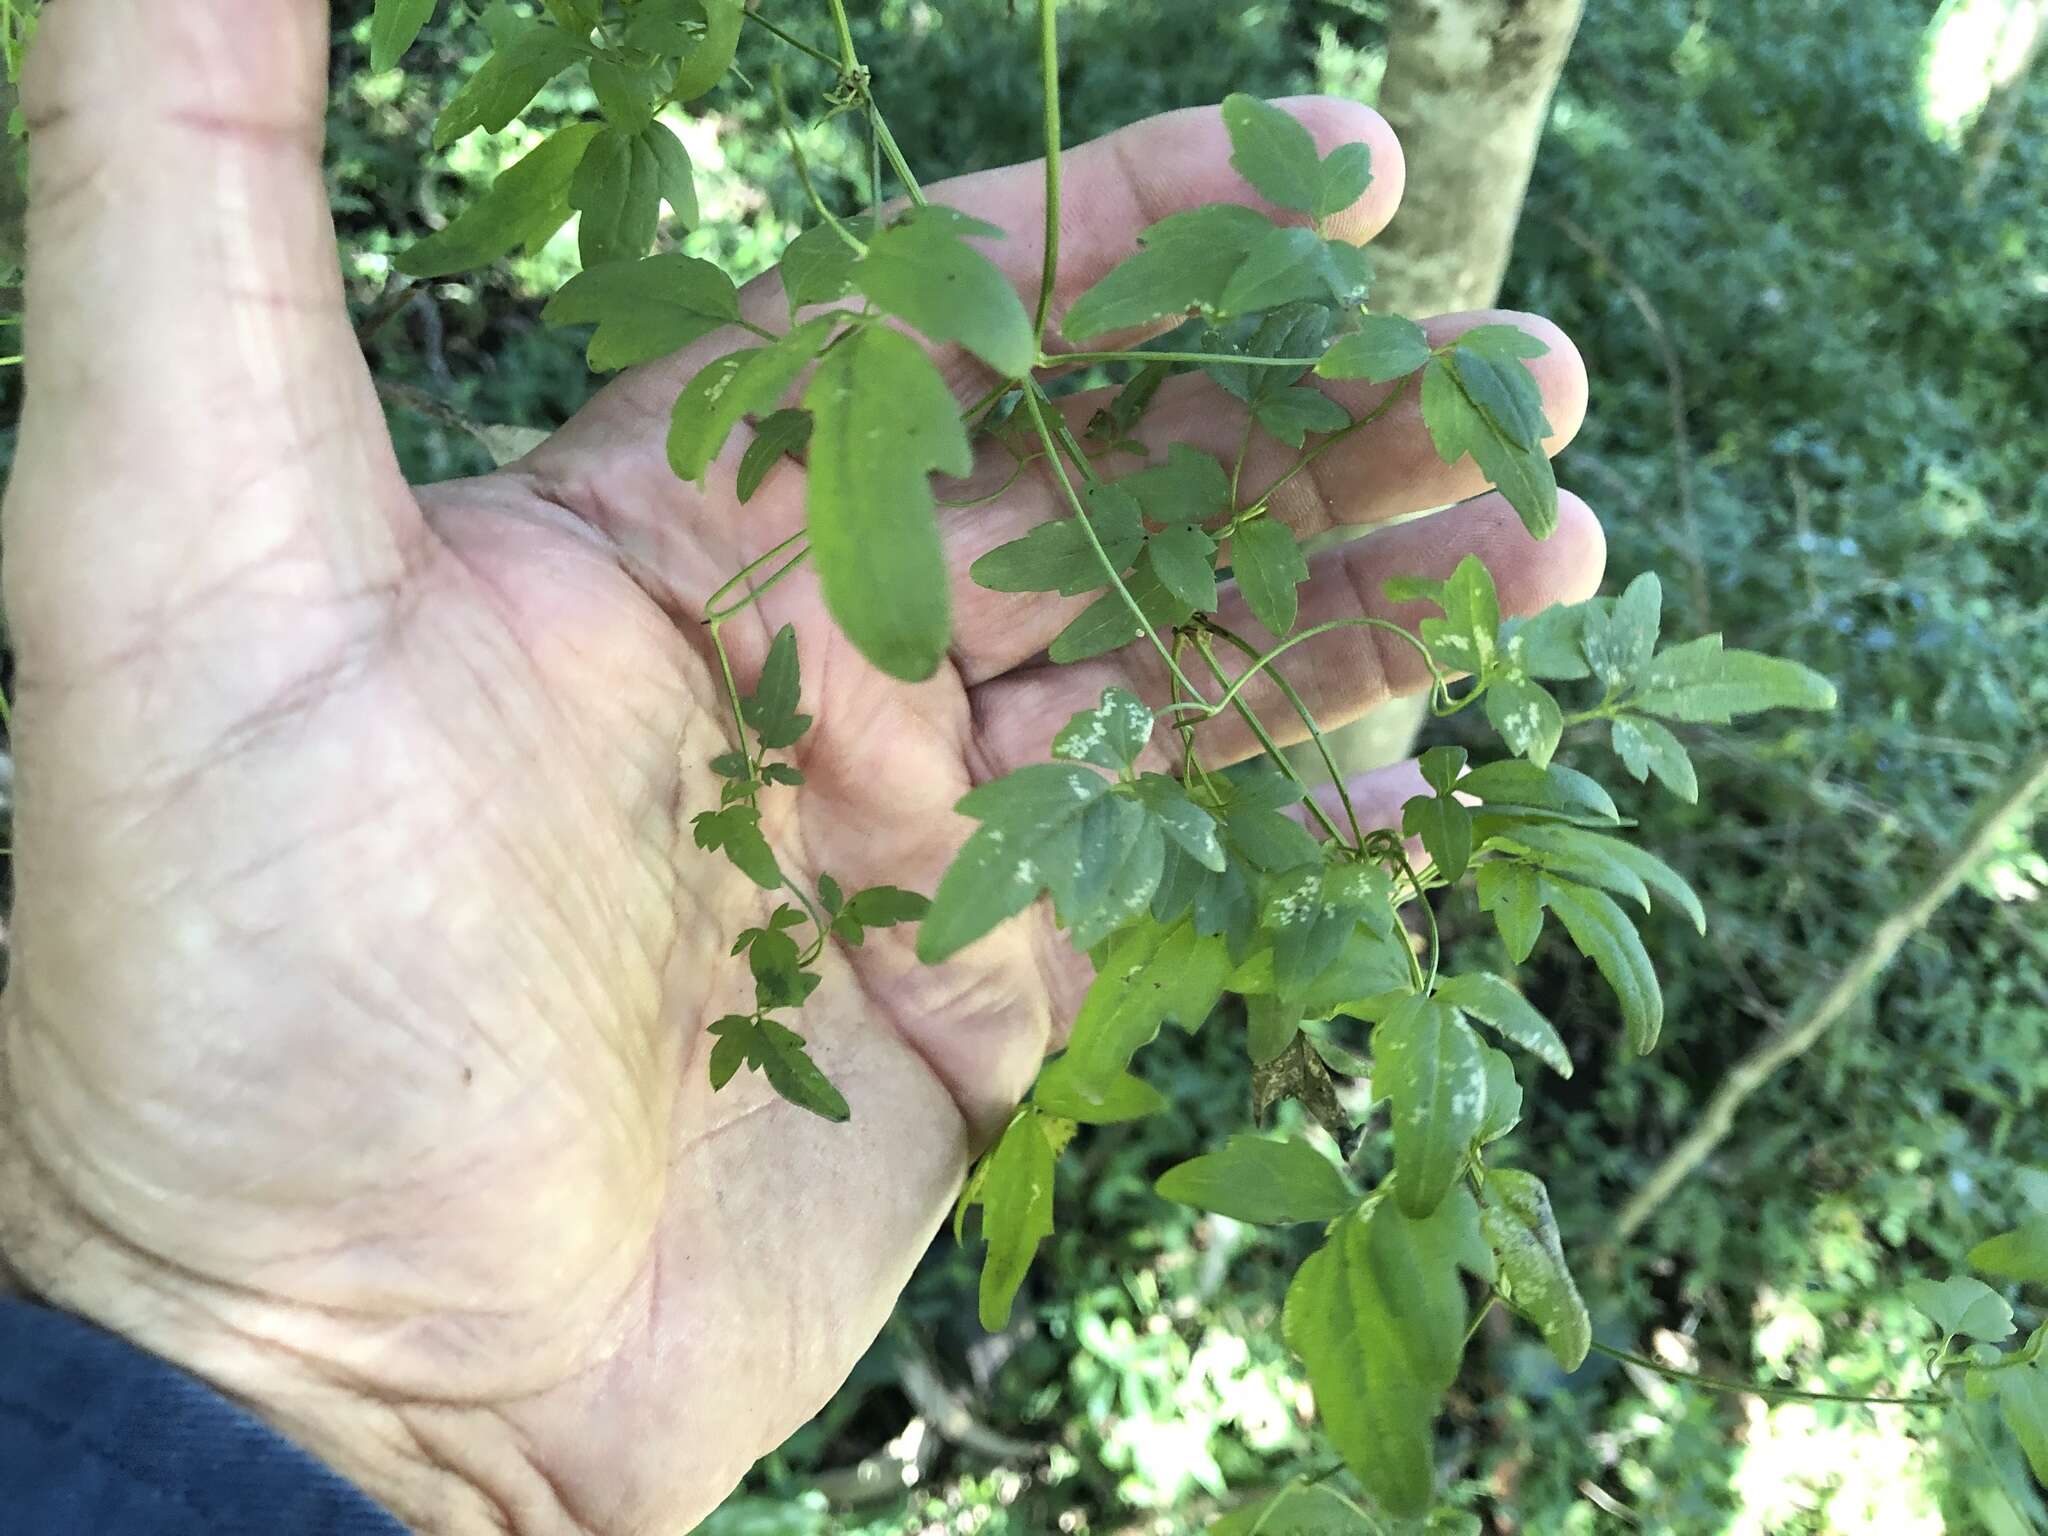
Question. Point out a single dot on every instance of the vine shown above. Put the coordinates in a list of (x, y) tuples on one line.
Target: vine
[(1188, 878)]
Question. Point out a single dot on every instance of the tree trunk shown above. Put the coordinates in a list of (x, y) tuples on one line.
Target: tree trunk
[(1467, 88)]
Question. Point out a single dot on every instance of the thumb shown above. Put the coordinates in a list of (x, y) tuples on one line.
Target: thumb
[(198, 415)]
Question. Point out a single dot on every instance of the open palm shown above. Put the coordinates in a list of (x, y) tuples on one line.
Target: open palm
[(353, 1047)]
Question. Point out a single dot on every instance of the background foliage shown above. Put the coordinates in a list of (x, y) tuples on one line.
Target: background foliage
[(1820, 409)]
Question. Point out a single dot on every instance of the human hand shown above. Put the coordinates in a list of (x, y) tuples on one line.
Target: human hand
[(354, 1044)]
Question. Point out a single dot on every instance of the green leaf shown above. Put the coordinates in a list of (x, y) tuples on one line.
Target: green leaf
[(1346, 172), (1305, 1510), (1015, 1196), (1507, 397), (1466, 638), (885, 419), (674, 174), (1028, 817), (1190, 487), (737, 830), (1293, 331), (1107, 624), (1646, 747), (1698, 681), (1378, 1317), (782, 435), (647, 309), (1275, 1183), (1445, 828), (1186, 261), (2023, 1400), (528, 55), (395, 25), (2021, 1254), (879, 906), (1492, 1001), (1513, 893), (1460, 427), (771, 708), (1503, 1097), (1603, 933), (923, 271), (1293, 413), (1618, 641), (1111, 735), (1960, 1305), (1185, 560), (817, 266), (1119, 1099), (1383, 348), (750, 381), (1057, 556), (706, 64), (781, 1054), (1270, 570), (1560, 791), (1516, 1218), (1546, 645), (1281, 266), (1430, 1068), (524, 207), (628, 92), (1149, 976), (1442, 768), (1502, 344), (1132, 862), (1526, 718), (1186, 824), (617, 189), (1573, 853), (1274, 152)]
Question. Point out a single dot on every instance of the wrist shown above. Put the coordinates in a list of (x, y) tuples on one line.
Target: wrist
[(441, 1469)]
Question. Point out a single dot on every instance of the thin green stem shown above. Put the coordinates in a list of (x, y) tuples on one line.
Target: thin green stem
[(1302, 638), (849, 60), (795, 42), (1436, 943), (1480, 1317), (1302, 464), (1744, 1388), (1308, 720), (1049, 71), (803, 168), (982, 501), (985, 404), (1140, 356), (893, 153), (738, 578), (1267, 744), (732, 698), (1032, 395)]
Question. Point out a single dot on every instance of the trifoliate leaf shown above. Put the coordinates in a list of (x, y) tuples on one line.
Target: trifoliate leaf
[(1493, 1002), (885, 419), (1111, 735), (1186, 261), (1378, 1317), (1618, 641), (395, 25), (1293, 331), (1016, 1198), (1646, 747), (742, 383), (1603, 933), (2020, 1255), (524, 207), (737, 830), (1149, 976), (781, 435), (1269, 567), (1383, 348), (1459, 427), (1275, 1183), (628, 91), (781, 1054), (1029, 818), (1960, 1305), (646, 309), (1466, 638), (1273, 151), (1429, 1066), (1515, 1215), (921, 269)]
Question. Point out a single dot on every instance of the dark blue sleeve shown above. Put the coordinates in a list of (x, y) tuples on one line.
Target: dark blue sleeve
[(99, 1439)]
